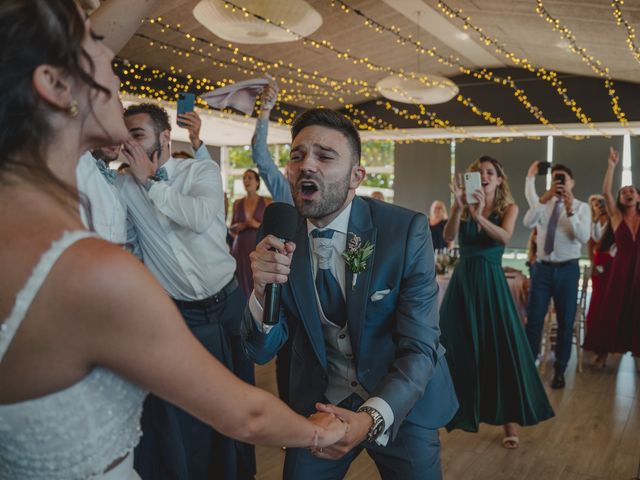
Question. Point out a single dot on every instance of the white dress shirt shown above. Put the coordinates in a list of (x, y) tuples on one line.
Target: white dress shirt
[(340, 360), (108, 213), (180, 229), (571, 232)]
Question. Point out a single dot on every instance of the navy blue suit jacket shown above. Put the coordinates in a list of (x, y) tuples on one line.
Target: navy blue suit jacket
[(395, 340)]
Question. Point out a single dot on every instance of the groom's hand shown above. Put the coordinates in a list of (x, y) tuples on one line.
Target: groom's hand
[(359, 424), (270, 263)]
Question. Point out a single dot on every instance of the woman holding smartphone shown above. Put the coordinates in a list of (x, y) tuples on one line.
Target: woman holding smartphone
[(85, 329), (491, 364)]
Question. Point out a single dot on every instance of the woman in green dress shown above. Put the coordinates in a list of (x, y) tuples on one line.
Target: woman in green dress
[(487, 350)]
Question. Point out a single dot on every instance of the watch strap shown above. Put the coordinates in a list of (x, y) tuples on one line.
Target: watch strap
[(377, 427)]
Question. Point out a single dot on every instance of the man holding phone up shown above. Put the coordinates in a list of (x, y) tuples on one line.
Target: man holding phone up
[(563, 226)]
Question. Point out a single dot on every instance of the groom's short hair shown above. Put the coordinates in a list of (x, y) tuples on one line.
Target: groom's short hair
[(324, 117)]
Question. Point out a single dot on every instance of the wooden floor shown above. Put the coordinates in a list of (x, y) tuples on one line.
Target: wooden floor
[(594, 435)]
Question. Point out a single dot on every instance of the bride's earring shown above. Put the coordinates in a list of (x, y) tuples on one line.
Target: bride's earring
[(73, 109)]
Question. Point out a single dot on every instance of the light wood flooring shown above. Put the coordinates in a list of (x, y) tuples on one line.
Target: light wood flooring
[(594, 435)]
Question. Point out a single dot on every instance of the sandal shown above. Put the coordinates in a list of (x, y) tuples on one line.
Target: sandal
[(511, 443)]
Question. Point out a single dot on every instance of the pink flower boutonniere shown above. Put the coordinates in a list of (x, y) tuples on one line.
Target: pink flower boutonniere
[(356, 256)]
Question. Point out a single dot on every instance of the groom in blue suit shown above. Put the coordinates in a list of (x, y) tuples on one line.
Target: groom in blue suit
[(359, 311)]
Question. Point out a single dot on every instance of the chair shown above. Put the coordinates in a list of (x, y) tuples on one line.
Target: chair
[(550, 326)]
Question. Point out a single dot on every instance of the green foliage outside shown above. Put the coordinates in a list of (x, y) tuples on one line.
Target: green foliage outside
[(375, 153)]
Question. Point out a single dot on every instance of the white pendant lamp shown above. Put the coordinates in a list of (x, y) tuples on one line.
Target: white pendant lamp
[(433, 89), (238, 27), (418, 88)]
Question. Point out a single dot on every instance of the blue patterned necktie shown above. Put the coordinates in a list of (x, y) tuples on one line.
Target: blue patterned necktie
[(109, 174), (162, 174), (328, 288), (552, 226)]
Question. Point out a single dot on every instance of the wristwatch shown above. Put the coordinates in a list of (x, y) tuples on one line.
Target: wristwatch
[(149, 182), (378, 422)]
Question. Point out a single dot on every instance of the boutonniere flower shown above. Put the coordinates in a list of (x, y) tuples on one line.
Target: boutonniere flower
[(356, 256)]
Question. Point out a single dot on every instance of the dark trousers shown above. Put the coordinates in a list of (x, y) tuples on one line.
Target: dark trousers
[(561, 283), (176, 445), (413, 455)]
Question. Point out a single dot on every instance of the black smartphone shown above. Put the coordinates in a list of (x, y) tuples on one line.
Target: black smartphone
[(186, 102), (559, 177), (543, 168), (601, 204)]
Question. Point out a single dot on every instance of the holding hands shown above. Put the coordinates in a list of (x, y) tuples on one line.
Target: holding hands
[(331, 430), (358, 424)]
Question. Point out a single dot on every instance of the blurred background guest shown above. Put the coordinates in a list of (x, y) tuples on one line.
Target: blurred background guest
[(493, 371), (599, 222), (378, 195), (248, 213), (437, 220), (620, 333), (563, 225)]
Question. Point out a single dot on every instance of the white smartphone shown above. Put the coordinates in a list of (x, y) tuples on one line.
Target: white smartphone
[(471, 184)]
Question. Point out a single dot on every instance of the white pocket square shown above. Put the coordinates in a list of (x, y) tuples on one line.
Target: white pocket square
[(379, 295)]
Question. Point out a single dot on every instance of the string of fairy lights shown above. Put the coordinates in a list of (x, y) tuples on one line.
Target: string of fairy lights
[(587, 58), (631, 31), (239, 58), (364, 61), (450, 61), (300, 86), (547, 75)]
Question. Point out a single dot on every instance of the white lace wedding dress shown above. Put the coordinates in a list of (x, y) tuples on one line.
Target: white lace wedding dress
[(75, 433)]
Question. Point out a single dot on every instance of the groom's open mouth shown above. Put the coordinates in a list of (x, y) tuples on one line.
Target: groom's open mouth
[(307, 189)]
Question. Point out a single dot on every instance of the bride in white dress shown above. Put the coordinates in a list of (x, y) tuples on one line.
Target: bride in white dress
[(85, 330)]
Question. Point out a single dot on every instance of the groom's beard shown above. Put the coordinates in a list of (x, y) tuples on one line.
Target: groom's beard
[(329, 198)]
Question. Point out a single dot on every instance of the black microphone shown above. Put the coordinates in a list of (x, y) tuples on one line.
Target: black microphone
[(281, 221)]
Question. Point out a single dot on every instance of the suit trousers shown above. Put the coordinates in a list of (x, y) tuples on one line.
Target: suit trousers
[(176, 445), (413, 455)]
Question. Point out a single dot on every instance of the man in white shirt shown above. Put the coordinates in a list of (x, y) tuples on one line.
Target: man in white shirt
[(177, 209), (105, 212), (563, 225)]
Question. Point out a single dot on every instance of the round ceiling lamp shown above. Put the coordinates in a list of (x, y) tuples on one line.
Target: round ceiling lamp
[(296, 15), (433, 89)]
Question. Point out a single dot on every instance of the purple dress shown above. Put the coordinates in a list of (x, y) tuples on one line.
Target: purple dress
[(245, 243)]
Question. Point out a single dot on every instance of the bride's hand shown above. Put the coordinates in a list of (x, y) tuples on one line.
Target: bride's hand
[(331, 430)]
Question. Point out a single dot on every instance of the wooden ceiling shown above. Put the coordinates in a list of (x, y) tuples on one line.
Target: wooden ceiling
[(514, 24)]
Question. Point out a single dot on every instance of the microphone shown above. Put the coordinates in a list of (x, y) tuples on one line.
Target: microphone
[(280, 220)]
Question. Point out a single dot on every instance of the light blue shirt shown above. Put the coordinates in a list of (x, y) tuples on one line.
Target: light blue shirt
[(275, 181)]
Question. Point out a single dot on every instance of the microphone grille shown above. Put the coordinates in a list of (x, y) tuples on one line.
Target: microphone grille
[(280, 220)]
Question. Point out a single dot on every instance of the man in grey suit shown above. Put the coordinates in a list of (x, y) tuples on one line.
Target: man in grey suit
[(359, 311)]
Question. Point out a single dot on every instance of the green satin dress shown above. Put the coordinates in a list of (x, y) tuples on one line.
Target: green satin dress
[(495, 378)]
